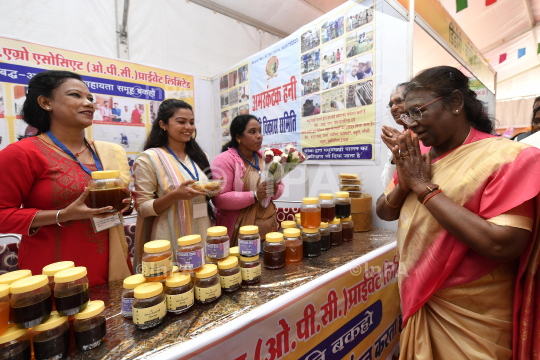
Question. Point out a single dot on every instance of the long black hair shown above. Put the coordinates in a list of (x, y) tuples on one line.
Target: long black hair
[(238, 126), (44, 83), (443, 81)]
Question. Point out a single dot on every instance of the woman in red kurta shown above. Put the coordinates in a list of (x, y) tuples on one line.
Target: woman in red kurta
[(44, 183)]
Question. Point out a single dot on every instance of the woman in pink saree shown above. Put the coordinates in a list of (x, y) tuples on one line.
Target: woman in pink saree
[(468, 215)]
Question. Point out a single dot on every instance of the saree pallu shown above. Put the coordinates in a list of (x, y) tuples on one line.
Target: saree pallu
[(179, 216), (456, 303)]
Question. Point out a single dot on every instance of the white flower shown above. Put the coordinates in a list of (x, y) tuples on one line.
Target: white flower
[(268, 152), (288, 148), (277, 159), (267, 149), (295, 156)]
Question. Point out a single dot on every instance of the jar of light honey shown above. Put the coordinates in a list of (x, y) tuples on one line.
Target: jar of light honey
[(157, 260), (106, 189), (310, 213)]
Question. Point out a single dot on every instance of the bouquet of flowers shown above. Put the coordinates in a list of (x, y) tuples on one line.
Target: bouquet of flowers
[(279, 163)]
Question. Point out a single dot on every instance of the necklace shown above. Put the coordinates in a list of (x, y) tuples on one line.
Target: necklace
[(76, 154)]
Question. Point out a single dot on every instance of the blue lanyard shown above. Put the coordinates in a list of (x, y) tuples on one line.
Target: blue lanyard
[(196, 177), (67, 151), (256, 166)]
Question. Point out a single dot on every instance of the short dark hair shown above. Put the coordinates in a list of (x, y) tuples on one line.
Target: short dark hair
[(43, 83), (238, 126)]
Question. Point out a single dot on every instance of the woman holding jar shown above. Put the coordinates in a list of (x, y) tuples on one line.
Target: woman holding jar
[(241, 165), (171, 161), (44, 186)]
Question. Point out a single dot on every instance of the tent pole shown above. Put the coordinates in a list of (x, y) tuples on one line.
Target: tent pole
[(410, 41)]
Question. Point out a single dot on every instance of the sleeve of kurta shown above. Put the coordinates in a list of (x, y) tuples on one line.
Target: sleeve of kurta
[(20, 171), (146, 185), (230, 198)]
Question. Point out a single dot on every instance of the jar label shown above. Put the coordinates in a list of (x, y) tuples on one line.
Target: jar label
[(180, 301), (251, 273), (231, 280), (150, 314), (127, 304), (209, 293), (217, 251), (249, 247), (156, 268), (190, 260)]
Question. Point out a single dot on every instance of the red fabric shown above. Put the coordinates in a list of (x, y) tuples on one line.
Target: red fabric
[(41, 179), (490, 2), (136, 117), (502, 58)]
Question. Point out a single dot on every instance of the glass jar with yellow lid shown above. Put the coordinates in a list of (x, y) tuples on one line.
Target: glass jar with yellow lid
[(328, 207), (274, 251), (71, 293), (52, 338), (295, 247), (235, 251), (179, 293), (310, 213), (249, 240), (190, 252), (106, 189), (347, 226), (4, 307), (335, 232), (31, 301), (217, 242), (10, 277), (250, 267), (325, 236), (343, 205), (150, 305), (229, 274), (90, 326), (15, 344), (289, 224), (51, 269), (156, 260), (207, 284), (128, 293), (312, 242)]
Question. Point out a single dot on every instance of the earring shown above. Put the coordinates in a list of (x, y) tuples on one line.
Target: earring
[(457, 111), (48, 108)]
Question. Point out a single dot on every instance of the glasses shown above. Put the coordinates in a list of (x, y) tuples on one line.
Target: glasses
[(415, 113), (398, 101)]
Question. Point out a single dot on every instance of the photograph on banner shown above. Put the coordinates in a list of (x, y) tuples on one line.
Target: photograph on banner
[(360, 41), (243, 94), (332, 28), (310, 61), (243, 73), (360, 94), (310, 83), (333, 100), (311, 105), (233, 79), (18, 98), (332, 53), (359, 68), (333, 76), (310, 39), (153, 109), (234, 113), (225, 134), (224, 100), (225, 117), (131, 138), (243, 110), (224, 82), (125, 111), (359, 15), (4, 133), (233, 97)]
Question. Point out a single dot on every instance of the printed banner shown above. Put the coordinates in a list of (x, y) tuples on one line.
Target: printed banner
[(314, 88), (354, 315)]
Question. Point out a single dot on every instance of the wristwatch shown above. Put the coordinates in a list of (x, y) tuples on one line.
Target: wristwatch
[(429, 188)]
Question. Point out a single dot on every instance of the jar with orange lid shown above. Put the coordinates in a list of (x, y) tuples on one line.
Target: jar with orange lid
[(51, 269), (347, 226), (249, 240), (4, 307), (31, 301), (207, 284), (250, 267), (10, 277), (150, 305), (312, 242), (229, 274), (15, 344), (106, 189), (179, 293), (52, 338), (217, 242), (90, 326), (156, 260), (325, 236), (190, 252), (128, 293), (287, 225), (71, 293), (343, 205), (328, 207), (310, 213)]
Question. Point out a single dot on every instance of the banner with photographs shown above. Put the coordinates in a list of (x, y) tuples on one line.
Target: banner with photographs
[(126, 95), (234, 97), (315, 88)]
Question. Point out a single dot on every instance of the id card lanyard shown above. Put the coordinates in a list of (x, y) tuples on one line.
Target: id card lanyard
[(67, 151), (196, 177)]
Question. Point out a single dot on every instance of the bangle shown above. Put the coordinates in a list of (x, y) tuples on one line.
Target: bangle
[(57, 222), (255, 196), (432, 195), (388, 203)]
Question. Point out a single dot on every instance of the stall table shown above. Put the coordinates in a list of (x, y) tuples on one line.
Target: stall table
[(123, 341)]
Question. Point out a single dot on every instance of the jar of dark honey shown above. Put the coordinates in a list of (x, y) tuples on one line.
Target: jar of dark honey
[(207, 284), (52, 338), (128, 293), (217, 243), (15, 344), (229, 274), (179, 293), (106, 189), (347, 226), (90, 326), (190, 252), (274, 251), (31, 301), (325, 236), (249, 240), (150, 306), (71, 291), (250, 268), (51, 269)]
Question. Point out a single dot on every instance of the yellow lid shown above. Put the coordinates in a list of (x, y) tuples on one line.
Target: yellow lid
[(274, 237), (10, 277), (347, 219), (148, 290), (71, 274), (189, 240), (326, 196), (234, 251), (310, 231), (249, 230), (29, 284), (206, 271), (335, 221), (297, 216), (209, 260), (323, 225), (291, 232), (94, 308), (217, 231), (4, 290), (131, 282), (157, 246), (178, 280), (54, 321), (228, 262), (12, 332), (174, 269), (310, 201), (342, 194), (249, 258), (288, 224), (52, 269), (105, 174)]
